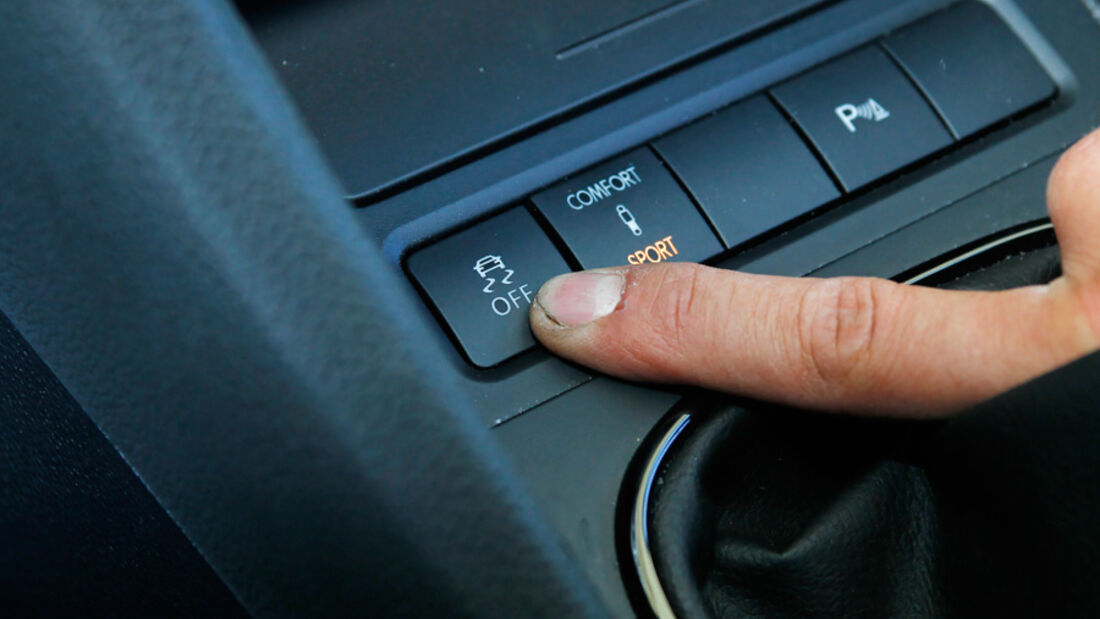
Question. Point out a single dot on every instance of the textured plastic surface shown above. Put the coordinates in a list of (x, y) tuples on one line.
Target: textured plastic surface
[(574, 451), (627, 210), (1015, 202), (747, 169), (972, 67), (432, 80), (173, 247), (79, 535), (864, 116)]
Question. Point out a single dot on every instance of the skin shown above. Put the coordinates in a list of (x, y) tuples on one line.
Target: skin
[(857, 345)]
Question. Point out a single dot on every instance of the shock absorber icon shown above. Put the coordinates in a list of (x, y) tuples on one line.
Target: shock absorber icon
[(628, 220)]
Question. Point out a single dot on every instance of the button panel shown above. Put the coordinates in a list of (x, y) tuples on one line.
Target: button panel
[(972, 67), (482, 281), (864, 116), (627, 211), (747, 169)]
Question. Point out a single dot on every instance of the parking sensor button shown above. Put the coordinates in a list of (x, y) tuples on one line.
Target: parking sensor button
[(864, 116)]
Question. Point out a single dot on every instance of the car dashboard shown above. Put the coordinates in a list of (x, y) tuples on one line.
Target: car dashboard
[(319, 368)]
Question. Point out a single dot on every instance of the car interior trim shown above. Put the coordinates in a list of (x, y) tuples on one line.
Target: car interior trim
[(644, 564), (978, 251), (1094, 8)]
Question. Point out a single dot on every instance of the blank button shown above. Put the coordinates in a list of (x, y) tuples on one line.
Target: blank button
[(972, 67), (748, 169)]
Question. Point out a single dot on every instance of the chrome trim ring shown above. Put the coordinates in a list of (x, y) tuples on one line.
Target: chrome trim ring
[(994, 244), (639, 526)]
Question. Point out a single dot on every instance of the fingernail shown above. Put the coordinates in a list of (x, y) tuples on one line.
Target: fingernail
[(577, 299)]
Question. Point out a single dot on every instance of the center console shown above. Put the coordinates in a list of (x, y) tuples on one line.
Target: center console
[(492, 148)]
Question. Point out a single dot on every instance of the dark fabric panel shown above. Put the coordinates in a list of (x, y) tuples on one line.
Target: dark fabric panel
[(80, 535)]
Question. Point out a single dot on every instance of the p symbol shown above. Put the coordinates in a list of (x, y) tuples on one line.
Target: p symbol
[(848, 113)]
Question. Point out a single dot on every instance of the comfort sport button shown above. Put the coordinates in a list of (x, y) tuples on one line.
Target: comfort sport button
[(748, 169), (482, 281), (972, 66), (627, 211), (864, 116)]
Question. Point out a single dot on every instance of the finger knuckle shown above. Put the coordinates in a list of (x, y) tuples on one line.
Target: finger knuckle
[(683, 301), (837, 320), (673, 310)]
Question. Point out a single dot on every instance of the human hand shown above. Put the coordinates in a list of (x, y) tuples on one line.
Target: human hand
[(853, 344)]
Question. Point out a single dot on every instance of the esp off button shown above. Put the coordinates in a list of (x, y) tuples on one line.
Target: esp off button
[(627, 211), (483, 279)]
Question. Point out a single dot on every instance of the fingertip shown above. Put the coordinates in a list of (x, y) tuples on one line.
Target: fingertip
[(1073, 200), (613, 319), (577, 299), (1076, 168)]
